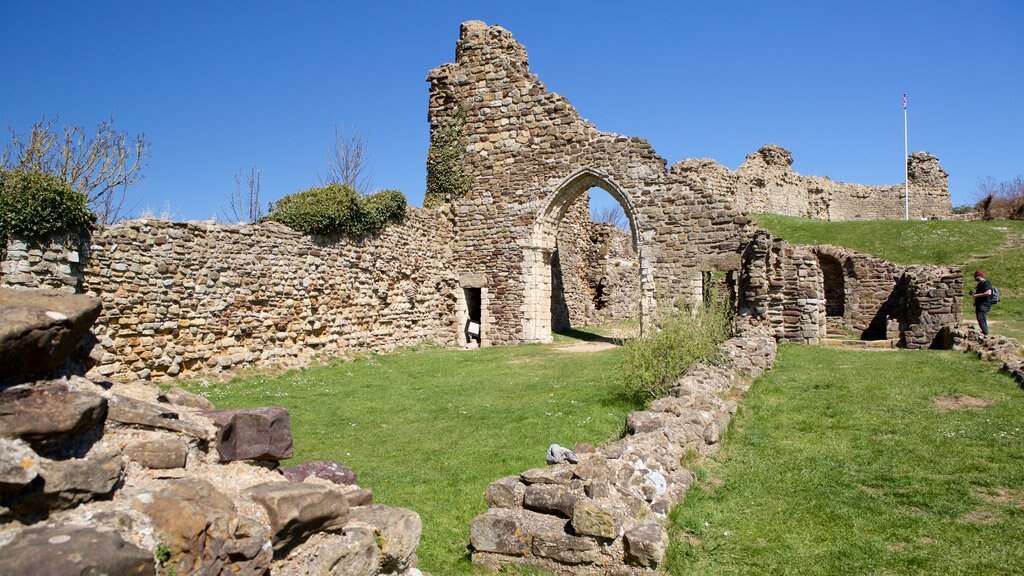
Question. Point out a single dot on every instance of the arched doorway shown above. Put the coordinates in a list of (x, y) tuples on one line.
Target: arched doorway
[(541, 250)]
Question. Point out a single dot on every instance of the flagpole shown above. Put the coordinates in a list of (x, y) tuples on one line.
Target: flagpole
[(906, 168)]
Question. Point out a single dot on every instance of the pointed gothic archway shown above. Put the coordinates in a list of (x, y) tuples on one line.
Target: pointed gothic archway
[(538, 252)]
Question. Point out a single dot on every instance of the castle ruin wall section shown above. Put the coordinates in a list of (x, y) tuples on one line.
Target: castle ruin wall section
[(767, 183), (530, 154), (181, 298)]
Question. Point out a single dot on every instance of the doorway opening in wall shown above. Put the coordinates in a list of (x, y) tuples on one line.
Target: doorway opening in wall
[(595, 271), (835, 293), (473, 328)]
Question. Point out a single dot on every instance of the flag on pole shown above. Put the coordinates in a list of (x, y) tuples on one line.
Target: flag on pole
[(904, 100)]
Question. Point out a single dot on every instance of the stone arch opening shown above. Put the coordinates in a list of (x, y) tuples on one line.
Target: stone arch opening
[(541, 251)]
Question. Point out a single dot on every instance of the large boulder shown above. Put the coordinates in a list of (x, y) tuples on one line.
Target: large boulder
[(73, 550), (40, 329)]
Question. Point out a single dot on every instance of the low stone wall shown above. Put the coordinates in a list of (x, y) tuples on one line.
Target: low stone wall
[(932, 306), (607, 513)]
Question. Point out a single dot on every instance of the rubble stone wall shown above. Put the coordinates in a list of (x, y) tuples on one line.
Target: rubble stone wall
[(605, 510), (180, 297), (784, 287), (767, 183), (55, 262)]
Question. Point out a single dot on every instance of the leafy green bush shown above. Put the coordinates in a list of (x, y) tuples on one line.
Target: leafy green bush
[(652, 364), (34, 204), (337, 208)]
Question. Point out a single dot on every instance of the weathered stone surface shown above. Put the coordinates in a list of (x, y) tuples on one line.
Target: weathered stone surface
[(556, 474), (565, 548), (71, 482), (355, 553), (181, 397), (359, 497), (399, 531), (297, 510), (202, 530), (159, 454), (505, 493), (559, 455), (19, 464), (590, 519), (646, 545), (130, 411), (550, 499), (329, 470), (502, 531), (39, 329), (73, 550), (253, 434), (45, 415)]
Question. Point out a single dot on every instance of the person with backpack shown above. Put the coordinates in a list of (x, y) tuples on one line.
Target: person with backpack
[(982, 300)]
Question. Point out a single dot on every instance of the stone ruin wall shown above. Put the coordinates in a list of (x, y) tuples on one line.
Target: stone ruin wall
[(784, 287), (530, 154), (766, 183), (196, 297)]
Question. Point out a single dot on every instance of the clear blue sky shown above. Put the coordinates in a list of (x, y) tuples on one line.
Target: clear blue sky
[(218, 86)]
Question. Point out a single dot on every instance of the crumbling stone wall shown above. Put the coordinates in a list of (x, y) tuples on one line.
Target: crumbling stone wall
[(605, 510), (783, 286), (530, 155), (182, 297), (871, 295), (767, 183), (102, 478)]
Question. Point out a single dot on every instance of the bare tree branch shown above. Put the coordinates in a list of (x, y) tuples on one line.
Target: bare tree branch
[(101, 165), (244, 203), (613, 215), (348, 161)]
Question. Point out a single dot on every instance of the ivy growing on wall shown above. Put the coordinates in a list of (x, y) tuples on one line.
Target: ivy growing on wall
[(338, 209), (446, 176)]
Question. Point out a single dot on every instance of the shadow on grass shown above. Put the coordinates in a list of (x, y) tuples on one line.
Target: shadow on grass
[(584, 336)]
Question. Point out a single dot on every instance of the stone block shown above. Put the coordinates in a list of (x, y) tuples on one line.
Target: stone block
[(161, 454), (73, 550), (398, 530), (253, 434), (298, 510), (39, 329), (46, 415), (645, 545)]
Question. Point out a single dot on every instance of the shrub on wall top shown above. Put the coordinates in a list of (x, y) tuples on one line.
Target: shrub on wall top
[(338, 209), (34, 204)]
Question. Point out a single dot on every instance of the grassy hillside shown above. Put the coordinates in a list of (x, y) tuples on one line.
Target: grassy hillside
[(995, 246)]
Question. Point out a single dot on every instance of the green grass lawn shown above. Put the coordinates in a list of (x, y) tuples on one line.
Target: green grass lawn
[(430, 429), (969, 245), (840, 462)]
